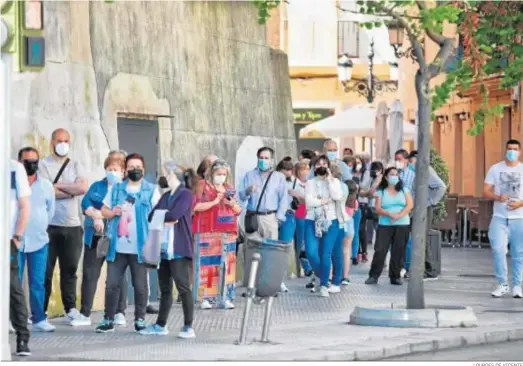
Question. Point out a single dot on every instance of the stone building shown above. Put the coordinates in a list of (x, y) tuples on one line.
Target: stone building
[(170, 79)]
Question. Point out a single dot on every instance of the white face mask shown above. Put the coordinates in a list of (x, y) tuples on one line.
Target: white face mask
[(358, 167), (219, 179), (173, 182), (61, 149), (399, 165)]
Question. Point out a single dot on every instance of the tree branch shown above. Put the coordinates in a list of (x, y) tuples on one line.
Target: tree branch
[(437, 38), (416, 45)]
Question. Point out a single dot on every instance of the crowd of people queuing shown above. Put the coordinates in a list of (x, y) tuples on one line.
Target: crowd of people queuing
[(331, 209)]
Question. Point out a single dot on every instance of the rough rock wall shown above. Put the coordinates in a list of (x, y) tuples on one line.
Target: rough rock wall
[(203, 67)]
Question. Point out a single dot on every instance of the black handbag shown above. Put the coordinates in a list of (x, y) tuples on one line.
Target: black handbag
[(295, 202), (251, 218)]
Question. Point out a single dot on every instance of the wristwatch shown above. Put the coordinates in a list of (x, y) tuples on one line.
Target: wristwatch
[(18, 237)]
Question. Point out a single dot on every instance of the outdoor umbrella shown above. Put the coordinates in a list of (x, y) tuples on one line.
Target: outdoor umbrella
[(397, 128), (382, 140), (358, 121)]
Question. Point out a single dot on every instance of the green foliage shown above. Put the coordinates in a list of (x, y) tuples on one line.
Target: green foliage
[(442, 169), (264, 8)]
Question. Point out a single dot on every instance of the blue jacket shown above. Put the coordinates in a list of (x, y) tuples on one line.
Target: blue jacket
[(143, 209), (93, 198)]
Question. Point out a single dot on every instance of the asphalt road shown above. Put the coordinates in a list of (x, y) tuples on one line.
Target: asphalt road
[(510, 351)]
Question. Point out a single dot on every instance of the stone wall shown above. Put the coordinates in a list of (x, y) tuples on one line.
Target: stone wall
[(203, 67)]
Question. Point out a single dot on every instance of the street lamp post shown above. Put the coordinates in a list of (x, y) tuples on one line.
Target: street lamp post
[(371, 86), (5, 227)]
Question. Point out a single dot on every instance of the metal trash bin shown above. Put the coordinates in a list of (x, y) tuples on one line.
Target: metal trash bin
[(273, 266)]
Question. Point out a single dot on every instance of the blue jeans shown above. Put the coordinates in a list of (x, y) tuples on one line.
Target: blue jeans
[(356, 238), (287, 228), (300, 245), (321, 252), (408, 249), (36, 266), (501, 232)]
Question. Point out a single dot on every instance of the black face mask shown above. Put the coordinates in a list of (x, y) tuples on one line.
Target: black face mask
[(321, 171), (373, 174), (31, 167), (135, 175), (288, 179), (162, 182)]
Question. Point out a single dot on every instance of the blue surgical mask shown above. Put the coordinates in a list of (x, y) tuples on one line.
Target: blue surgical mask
[(393, 180), (512, 155), (412, 167), (264, 165), (113, 177), (332, 155)]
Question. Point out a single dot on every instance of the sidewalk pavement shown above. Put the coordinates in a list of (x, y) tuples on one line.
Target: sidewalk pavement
[(308, 327)]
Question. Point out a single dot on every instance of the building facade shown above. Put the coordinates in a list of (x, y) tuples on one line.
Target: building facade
[(170, 80), (315, 34)]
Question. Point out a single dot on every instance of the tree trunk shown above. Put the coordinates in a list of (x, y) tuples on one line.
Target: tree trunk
[(415, 292)]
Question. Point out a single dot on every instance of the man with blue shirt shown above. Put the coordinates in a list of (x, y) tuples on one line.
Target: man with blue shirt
[(330, 148), (274, 203), (406, 175), (271, 207), (35, 246), (20, 212)]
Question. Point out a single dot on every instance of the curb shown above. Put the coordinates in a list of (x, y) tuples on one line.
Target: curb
[(402, 349)]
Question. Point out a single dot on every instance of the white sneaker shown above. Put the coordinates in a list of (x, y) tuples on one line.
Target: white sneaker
[(205, 305), (80, 321), (119, 319), (517, 292), (11, 329), (500, 291), (29, 321), (73, 314), (324, 291), (228, 305), (283, 288), (334, 289), (402, 273), (187, 332), (43, 326)]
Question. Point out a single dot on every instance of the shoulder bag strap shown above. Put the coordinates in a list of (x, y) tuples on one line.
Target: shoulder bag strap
[(62, 168), (263, 191), (294, 185)]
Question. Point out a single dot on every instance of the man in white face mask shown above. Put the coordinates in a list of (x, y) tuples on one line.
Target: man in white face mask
[(69, 180), (406, 175)]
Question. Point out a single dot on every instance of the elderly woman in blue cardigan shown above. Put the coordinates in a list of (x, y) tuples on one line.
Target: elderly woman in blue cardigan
[(177, 251), (128, 208), (92, 203)]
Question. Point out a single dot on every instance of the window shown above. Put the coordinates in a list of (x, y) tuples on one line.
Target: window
[(348, 38)]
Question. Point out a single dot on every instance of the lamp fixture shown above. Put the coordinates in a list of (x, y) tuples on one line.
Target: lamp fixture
[(463, 116), (371, 86), (396, 37)]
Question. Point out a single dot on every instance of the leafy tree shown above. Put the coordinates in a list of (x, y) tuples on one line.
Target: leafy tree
[(491, 34)]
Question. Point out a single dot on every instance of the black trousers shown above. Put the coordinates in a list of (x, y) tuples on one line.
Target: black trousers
[(386, 237), (115, 274), (65, 245), (17, 304), (178, 270), (92, 266), (363, 228)]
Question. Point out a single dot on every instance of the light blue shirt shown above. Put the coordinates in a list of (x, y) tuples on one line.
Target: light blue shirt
[(393, 204), (42, 211), (407, 176), (275, 197)]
